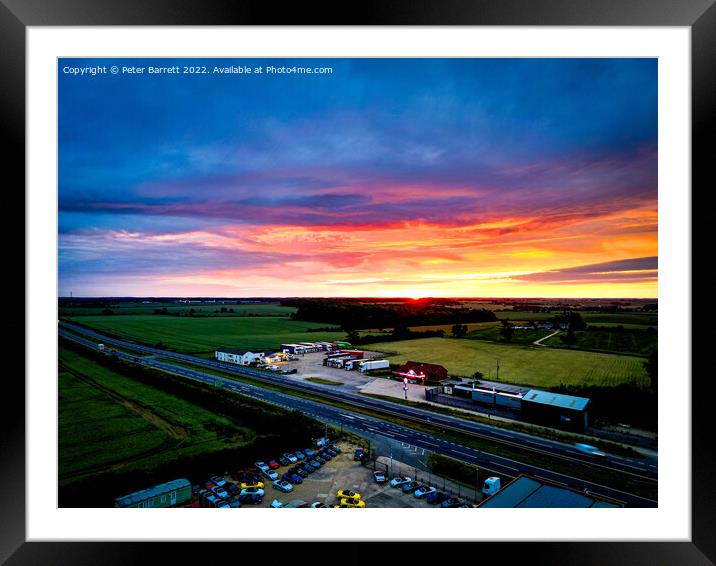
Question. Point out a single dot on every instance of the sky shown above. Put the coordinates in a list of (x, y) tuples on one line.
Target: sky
[(385, 177)]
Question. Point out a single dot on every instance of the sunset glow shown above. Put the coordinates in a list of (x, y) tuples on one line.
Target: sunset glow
[(389, 178)]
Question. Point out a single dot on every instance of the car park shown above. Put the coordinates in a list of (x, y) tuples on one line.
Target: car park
[(351, 503), (291, 458), (410, 487), (293, 478), (423, 491), (437, 497), (379, 477), (218, 480), (270, 474), (283, 485), (400, 481), (253, 484), (273, 464), (347, 494), (253, 491)]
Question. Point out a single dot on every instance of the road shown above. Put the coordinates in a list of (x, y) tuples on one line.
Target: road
[(375, 425), (539, 342)]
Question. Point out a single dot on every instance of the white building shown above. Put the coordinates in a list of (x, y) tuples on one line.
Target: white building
[(236, 356)]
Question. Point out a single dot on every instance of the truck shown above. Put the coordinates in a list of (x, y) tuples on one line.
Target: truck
[(100, 347), (368, 365)]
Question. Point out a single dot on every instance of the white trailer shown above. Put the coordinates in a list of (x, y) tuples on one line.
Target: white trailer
[(367, 365)]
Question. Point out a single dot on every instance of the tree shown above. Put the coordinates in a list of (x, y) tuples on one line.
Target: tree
[(352, 336), (507, 331), (651, 365), (459, 330), (570, 339), (478, 375)]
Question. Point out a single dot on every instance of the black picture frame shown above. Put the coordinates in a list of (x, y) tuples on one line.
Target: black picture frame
[(698, 15)]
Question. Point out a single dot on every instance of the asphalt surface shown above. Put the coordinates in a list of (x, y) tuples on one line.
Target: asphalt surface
[(361, 423)]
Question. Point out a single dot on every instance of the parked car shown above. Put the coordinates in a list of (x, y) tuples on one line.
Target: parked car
[(218, 480), (423, 491), (309, 453), (400, 481), (464, 504), (358, 454), (347, 494), (351, 503), (410, 487), (223, 504), (270, 474), (293, 478), (301, 471), (209, 485), (291, 458), (276, 504), (437, 497), (232, 488), (335, 448), (263, 466), (221, 492), (273, 464), (300, 455), (320, 460), (325, 455), (233, 502), (452, 502), (314, 464), (253, 484), (284, 461), (379, 477), (318, 505), (332, 453), (254, 498), (283, 485), (252, 491)]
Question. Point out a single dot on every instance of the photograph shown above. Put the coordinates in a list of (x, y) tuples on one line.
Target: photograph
[(357, 282)]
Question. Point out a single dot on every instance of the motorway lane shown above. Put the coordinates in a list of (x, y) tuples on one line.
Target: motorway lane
[(361, 423), (645, 468)]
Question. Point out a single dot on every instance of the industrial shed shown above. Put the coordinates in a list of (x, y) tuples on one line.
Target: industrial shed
[(423, 372), (167, 494), (556, 410), (525, 491)]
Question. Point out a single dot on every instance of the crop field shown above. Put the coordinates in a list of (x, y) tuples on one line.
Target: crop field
[(597, 318), (202, 309), (526, 365), (108, 422), (203, 335)]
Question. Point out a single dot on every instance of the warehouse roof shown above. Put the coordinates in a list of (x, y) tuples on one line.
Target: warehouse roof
[(143, 494), (237, 351), (556, 399), (529, 492)]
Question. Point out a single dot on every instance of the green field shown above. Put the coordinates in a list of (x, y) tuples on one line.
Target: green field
[(200, 309), (110, 423), (203, 335), (528, 365), (597, 318), (629, 342)]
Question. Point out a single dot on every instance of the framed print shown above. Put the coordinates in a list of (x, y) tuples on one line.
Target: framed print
[(406, 262)]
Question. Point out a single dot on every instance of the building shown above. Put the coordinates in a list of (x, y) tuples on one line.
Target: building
[(556, 410), (274, 357), (237, 356), (525, 491), (167, 494), (421, 372)]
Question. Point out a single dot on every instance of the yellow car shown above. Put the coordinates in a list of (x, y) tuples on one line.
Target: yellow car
[(352, 502), (256, 484), (346, 494)]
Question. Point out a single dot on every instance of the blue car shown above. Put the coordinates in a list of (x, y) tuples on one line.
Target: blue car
[(437, 497), (315, 465), (300, 455), (410, 487), (293, 478), (283, 485), (309, 453)]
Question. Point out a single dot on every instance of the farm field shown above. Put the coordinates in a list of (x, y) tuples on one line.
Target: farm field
[(527, 365), (634, 342), (597, 318), (203, 335), (108, 422), (203, 309)]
